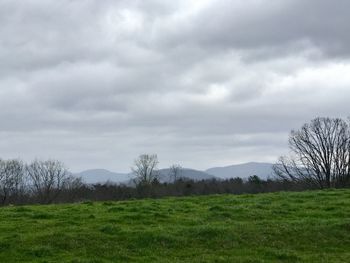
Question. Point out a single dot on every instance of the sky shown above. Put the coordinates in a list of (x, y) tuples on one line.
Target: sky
[(200, 83)]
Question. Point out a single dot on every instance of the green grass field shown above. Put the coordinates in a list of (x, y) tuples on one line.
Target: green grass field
[(278, 227)]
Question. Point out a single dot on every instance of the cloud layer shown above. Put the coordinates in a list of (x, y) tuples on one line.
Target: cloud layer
[(201, 83)]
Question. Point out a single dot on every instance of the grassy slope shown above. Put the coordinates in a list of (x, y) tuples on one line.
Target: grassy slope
[(279, 227)]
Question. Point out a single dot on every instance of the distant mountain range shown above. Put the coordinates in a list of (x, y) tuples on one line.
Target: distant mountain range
[(263, 170), (165, 175), (101, 176)]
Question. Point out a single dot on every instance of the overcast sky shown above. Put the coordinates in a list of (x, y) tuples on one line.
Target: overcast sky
[(201, 83)]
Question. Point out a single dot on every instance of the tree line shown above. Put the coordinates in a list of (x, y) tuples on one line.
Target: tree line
[(319, 158), (36, 182), (47, 182)]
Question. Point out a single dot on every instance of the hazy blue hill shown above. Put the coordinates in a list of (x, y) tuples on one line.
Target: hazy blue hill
[(263, 170), (185, 173), (102, 175)]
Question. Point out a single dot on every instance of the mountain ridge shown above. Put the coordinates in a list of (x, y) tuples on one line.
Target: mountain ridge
[(244, 170)]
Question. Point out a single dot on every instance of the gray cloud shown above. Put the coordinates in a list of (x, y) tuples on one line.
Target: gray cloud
[(253, 24), (202, 83)]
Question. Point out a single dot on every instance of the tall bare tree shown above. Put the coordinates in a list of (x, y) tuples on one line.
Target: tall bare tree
[(47, 178), (11, 179), (175, 172), (145, 169), (320, 154)]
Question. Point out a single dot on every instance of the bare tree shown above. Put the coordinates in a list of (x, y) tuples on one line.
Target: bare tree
[(145, 169), (71, 189), (175, 172), (72, 183), (11, 179), (47, 179), (320, 154)]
